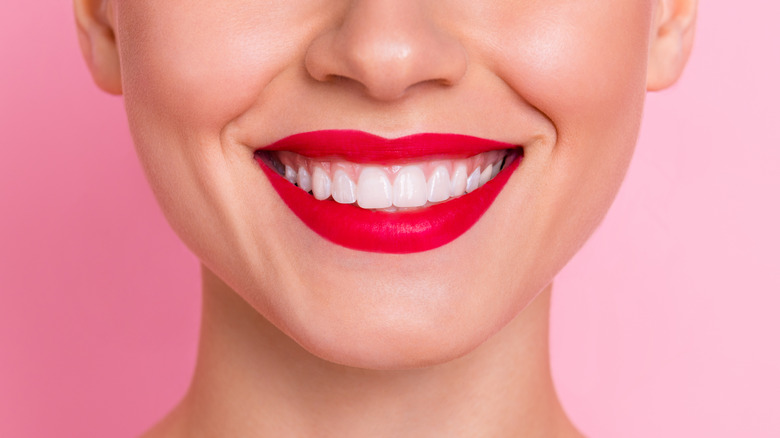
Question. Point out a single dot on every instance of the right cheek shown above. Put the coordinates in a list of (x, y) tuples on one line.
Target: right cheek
[(205, 63)]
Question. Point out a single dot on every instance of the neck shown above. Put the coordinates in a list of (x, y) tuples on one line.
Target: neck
[(252, 380)]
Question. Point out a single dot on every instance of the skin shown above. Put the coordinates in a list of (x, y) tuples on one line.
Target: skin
[(301, 337)]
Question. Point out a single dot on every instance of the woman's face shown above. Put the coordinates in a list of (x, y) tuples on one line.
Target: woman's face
[(207, 84)]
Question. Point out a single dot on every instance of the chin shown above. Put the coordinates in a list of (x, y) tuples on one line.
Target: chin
[(397, 328), (399, 347)]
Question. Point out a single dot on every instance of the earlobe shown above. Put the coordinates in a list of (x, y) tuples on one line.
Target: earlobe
[(98, 43), (670, 42)]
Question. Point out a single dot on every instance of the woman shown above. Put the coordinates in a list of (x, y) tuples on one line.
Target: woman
[(380, 193)]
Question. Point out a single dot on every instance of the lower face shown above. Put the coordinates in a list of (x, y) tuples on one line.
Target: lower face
[(232, 128)]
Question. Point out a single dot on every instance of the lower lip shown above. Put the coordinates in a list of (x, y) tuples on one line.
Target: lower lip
[(400, 232)]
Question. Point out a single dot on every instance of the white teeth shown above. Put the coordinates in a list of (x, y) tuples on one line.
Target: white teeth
[(496, 169), (409, 189), (374, 189), (458, 184), (343, 188), (304, 179), (485, 175), (439, 185), (473, 182), (290, 174), (320, 184)]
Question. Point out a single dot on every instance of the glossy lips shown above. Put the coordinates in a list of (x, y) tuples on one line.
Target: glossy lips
[(397, 232)]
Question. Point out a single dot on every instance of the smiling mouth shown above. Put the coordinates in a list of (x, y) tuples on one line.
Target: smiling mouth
[(373, 194), (391, 187)]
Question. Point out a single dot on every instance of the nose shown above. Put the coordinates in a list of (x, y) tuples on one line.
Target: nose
[(387, 46)]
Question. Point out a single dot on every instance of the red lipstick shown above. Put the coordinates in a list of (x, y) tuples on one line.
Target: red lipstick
[(399, 232)]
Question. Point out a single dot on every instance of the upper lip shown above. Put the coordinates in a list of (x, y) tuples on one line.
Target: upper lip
[(362, 147)]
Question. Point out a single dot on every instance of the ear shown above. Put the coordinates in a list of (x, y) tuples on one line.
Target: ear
[(94, 20), (671, 40)]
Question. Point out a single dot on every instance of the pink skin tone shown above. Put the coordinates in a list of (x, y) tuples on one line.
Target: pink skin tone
[(302, 337)]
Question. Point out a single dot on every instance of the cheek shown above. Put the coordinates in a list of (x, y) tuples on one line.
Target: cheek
[(189, 68), (577, 63), (201, 63), (583, 65), (196, 65)]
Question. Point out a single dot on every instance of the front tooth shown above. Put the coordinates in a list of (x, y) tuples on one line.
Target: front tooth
[(374, 189), (439, 185), (496, 169), (320, 184), (473, 182), (290, 174), (458, 186), (343, 188), (409, 189), (485, 175), (304, 179)]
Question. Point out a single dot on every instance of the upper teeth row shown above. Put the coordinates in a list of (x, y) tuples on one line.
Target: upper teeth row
[(374, 190)]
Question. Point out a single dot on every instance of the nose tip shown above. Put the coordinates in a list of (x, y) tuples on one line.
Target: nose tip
[(387, 46)]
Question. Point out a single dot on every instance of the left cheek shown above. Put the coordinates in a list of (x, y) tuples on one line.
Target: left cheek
[(586, 73), (584, 70)]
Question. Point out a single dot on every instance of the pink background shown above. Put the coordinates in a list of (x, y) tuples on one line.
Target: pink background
[(665, 325)]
